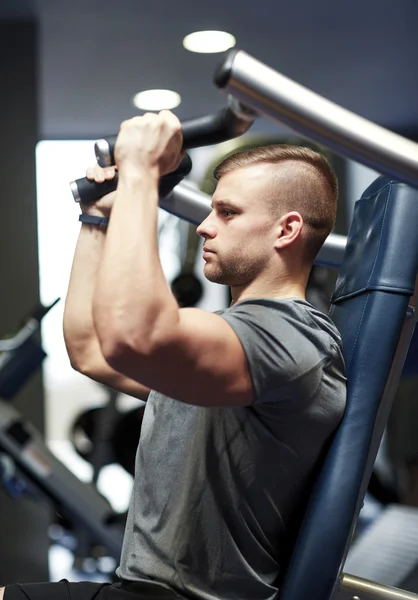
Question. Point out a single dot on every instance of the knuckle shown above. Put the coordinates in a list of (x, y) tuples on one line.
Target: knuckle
[(124, 124)]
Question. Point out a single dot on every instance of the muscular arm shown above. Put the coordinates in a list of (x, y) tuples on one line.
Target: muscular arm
[(79, 333), (186, 354)]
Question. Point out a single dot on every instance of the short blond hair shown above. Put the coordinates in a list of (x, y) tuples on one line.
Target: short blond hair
[(314, 196)]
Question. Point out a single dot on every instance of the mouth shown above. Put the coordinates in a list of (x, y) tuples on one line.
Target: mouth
[(207, 253)]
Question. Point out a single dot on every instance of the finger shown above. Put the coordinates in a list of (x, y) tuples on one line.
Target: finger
[(125, 124), (98, 174), (90, 172), (101, 174), (165, 112), (171, 118), (109, 172)]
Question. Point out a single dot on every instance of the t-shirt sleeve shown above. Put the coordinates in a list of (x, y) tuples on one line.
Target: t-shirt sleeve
[(279, 348)]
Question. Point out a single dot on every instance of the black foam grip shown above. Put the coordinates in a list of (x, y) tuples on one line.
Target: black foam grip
[(87, 191), (202, 131)]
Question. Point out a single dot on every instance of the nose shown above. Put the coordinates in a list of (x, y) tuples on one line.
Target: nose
[(207, 229)]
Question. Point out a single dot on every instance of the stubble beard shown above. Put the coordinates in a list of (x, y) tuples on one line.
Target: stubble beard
[(236, 272)]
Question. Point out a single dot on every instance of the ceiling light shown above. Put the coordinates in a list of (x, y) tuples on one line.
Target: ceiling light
[(157, 100), (208, 42)]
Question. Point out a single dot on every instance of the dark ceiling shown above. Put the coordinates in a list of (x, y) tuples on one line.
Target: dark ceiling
[(94, 56)]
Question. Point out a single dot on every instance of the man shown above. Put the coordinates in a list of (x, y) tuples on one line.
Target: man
[(244, 401)]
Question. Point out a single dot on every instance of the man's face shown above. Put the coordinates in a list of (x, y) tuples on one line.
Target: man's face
[(240, 231)]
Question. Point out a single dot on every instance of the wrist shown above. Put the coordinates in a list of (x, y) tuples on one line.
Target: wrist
[(139, 172), (91, 209)]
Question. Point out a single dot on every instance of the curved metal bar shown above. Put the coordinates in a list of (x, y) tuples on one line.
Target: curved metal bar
[(226, 124), (274, 95)]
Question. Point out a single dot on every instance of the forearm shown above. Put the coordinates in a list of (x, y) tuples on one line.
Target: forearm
[(80, 336), (132, 300), (79, 331)]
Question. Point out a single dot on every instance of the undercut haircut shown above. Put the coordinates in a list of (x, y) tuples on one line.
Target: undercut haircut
[(307, 184)]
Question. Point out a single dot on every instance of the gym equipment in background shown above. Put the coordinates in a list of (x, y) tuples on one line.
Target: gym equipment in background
[(30, 467), (103, 435)]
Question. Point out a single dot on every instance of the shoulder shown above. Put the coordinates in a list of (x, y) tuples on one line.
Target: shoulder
[(289, 345), (283, 339), (294, 316)]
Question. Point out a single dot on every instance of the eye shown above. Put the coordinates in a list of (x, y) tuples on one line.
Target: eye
[(228, 213)]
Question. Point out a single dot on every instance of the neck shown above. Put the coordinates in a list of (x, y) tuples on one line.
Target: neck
[(262, 289)]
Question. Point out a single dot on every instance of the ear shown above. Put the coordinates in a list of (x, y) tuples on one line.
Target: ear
[(288, 229)]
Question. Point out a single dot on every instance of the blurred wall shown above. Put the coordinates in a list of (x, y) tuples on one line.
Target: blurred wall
[(23, 523)]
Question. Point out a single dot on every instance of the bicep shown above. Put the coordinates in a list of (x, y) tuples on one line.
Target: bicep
[(200, 361), (243, 357)]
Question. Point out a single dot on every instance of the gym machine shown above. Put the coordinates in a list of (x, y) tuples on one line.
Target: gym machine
[(27, 465), (374, 306)]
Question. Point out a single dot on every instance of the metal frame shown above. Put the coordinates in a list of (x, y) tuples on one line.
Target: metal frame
[(355, 588), (268, 92)]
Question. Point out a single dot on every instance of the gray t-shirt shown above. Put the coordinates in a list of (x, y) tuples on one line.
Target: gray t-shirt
[(218, 492)]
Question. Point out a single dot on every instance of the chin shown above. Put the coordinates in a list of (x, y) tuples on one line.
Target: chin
[(212, 275), (218, 278)]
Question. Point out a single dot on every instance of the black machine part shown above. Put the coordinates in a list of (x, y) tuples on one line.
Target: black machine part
[(21, 354), (86, 190), (228, 123), (118, 432), (186, 286), (75, 499)]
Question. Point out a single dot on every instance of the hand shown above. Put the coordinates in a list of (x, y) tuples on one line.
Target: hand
[(103, 206), (152, 142)]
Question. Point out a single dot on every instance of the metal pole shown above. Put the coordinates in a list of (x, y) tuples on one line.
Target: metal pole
[(270, 93), (355, 588)]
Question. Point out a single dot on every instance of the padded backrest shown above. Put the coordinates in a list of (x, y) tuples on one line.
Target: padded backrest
[(369, 305)]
